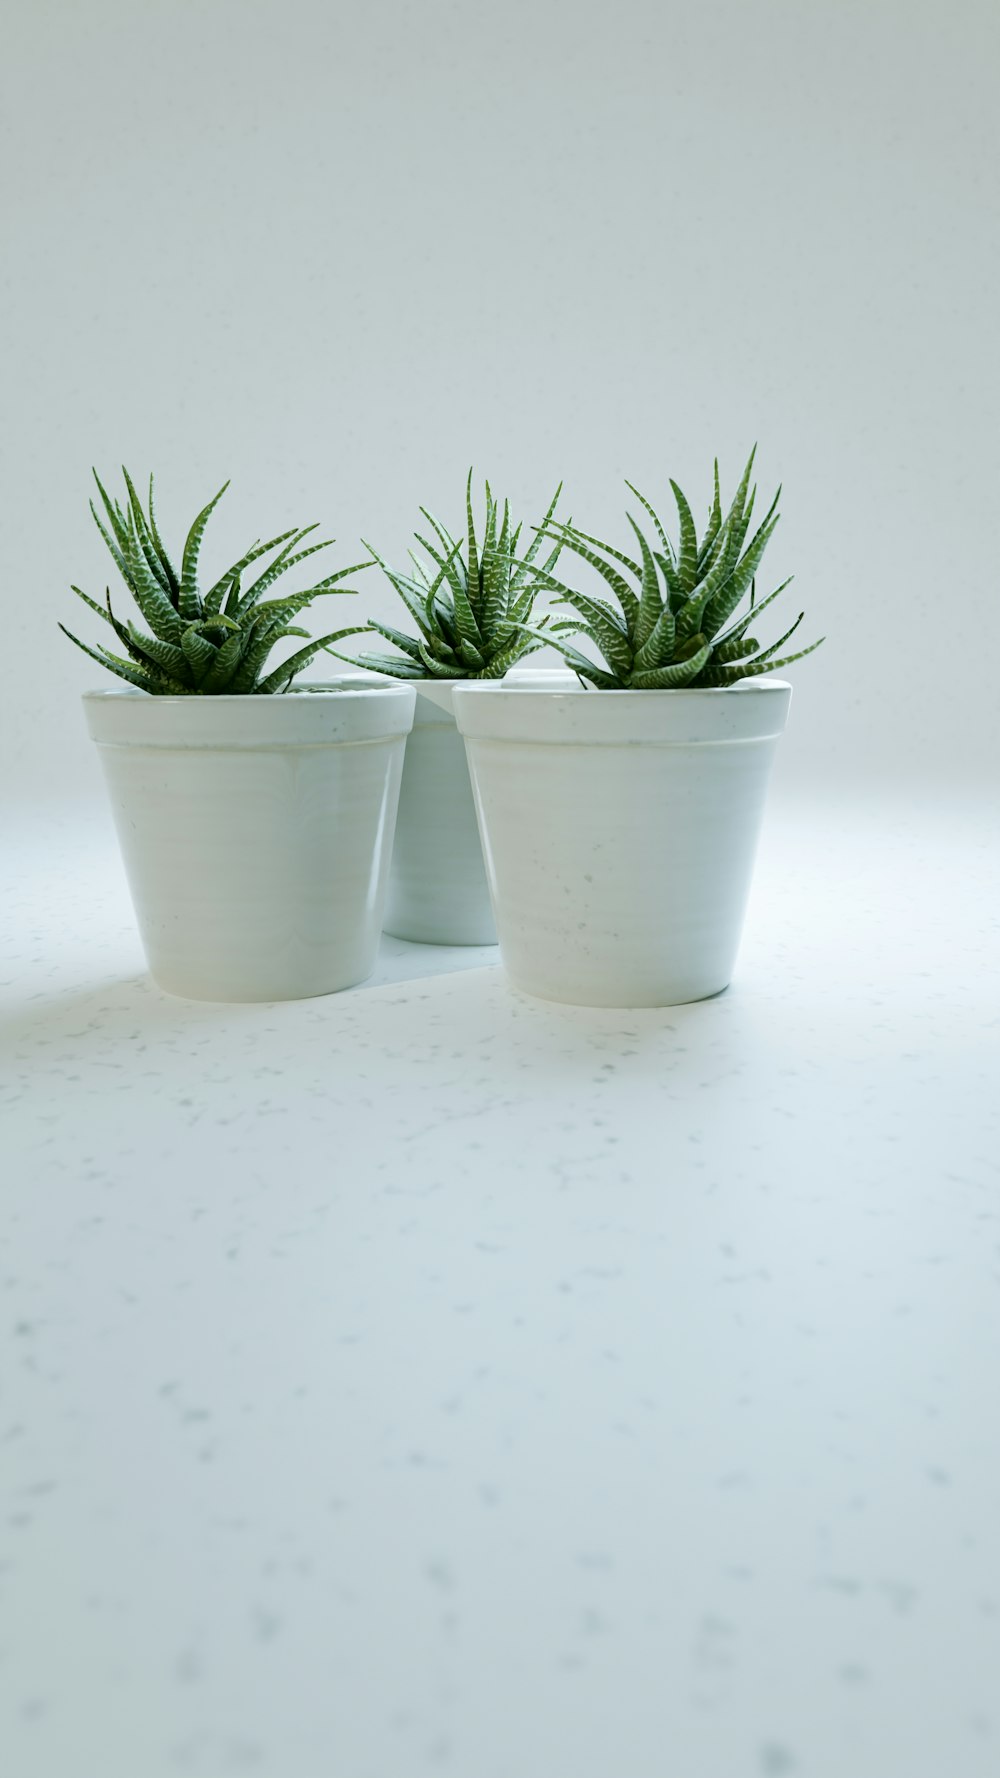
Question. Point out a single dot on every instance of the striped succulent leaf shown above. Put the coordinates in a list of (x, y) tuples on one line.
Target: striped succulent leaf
[(470, 601), (202, 644), (678, 625)]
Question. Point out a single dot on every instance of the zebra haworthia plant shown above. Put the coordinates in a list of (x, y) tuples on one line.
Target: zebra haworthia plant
[(216, 641), (679, 624), (470, 602)]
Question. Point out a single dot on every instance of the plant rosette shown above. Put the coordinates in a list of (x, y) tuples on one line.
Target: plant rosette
[(619, 830), (255, 832)]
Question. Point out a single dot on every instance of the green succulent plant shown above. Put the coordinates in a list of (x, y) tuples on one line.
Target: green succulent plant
[(471, 602), (216, 641), (678, 625)]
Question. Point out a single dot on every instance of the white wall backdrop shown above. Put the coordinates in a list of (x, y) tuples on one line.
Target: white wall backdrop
[(337, 253)]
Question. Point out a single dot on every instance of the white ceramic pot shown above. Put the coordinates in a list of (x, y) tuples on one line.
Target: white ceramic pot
[(438, 894), (619, 830), (256, 833)]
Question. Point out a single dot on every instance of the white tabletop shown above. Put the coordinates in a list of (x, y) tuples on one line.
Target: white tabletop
[(426, 1379)]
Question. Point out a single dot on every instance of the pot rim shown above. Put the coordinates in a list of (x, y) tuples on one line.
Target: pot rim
[(227, 720), (575, 716), (187, 700), (623, 691)]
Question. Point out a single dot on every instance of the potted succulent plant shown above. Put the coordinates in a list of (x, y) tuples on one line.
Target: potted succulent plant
[(620, 818), (469, 603), (255, 826)]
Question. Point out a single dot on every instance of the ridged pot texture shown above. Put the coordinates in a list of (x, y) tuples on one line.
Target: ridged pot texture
[(256, 833)]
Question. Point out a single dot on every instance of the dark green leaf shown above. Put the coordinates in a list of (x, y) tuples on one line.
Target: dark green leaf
[(654, 515), (173, 578), (531, 552), (658, 647), (687, 556), (650, 603), (156, 607), (587, 669), (188, 602), (472, 555), (679, 674), (200, 652)]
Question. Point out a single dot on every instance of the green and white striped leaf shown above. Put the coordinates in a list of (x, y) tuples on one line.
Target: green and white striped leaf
[(725, 652), (281, 565), (406, 643), (580, 663), (650, 602), (556, 526), (668, 569), (465, 623), (735, 513), (739, 628), (665, 543), (505, 658), (724, 602), (146, 539), (165, 655), (116, 554), (764, 654), (173, 578), (116, 517), (150, 597), (672, 677), (213, 598), (714, 527), (395, 665), (496, 577), (94, 606), (451, 567), (618, 586), (188, 602), (449, 544), (608, 633), (751, 669), (438, 668), (658, 648), (472, 554), (687, 555), (224, 666), (282, 676), (690, 617), (200, 652), (124, 669), (527, 561)]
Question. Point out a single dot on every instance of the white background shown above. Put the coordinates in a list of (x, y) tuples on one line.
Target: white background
[(340, 253), (425, 1379)]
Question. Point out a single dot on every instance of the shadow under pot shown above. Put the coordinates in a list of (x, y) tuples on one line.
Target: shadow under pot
[(619, 830), (255, 832)]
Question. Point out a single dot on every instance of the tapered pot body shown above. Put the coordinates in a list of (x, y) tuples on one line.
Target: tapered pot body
[(256, 833), (619, 831), (438, 893)]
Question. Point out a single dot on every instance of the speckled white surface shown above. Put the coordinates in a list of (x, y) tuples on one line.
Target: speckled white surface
[(429, 1380)]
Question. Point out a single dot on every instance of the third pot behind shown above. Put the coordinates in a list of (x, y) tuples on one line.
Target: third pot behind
[(438, 893)]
